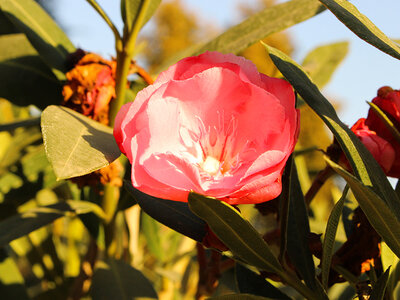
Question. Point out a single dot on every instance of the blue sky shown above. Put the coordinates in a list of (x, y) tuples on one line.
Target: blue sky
[(356, 81)]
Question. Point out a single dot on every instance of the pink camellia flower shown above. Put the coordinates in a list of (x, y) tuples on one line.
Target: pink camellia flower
[(380, 149), (212, 124), (388, 100)]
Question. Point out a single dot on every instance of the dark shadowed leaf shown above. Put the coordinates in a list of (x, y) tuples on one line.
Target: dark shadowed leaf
[(24, 123), (76, 145), (378, 213), (43, 33), (262, 24), (115, 279), (24, 77), (251, 283), (234, 231), (298, 232), (175, 215), (378, 290), (240, 297), (130, 11), (13, 291), (364, 165), (321, 62), (348, 14), (330, 236), (6, 27)]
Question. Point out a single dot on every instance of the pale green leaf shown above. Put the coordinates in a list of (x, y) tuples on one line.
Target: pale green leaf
[(378, 213), (262, 24), (130, 11), (234, 231), (330, 236), (43, 33), (348, 14), (361, 160), (76, 145), (321, 62)]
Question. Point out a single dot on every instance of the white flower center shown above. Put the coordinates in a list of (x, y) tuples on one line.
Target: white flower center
[(211, 165)]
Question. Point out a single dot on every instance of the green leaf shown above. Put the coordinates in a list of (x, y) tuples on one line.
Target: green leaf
[(130, 11), (6, 27), (348, 14), (362, 162), (378, 213), (24, 77), (17, 124), (175, 215), (330, 236), (378, 290), (386, 120), (24, 223), (151, 231), (262, 24), (298, 232), (85, 207), (76, 145), (321, 62), (115, 279), (239, 297), (234, 231), (251, 283), (43, 33)]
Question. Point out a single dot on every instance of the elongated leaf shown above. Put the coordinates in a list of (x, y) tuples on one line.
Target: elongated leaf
[(260, 25), (151, 231), (298, 232), (378, 290), (175, 215), (386, 120), (251, 283), (321, 62), (330, 236), (24, 223), (239, 297), (85, 207), (115, 279), (43, 33), (24, 123), (363, 164), (234, 231), (6, 27), (76, 145), (348, 14), (378, 213), (24, 77), (130, 11)]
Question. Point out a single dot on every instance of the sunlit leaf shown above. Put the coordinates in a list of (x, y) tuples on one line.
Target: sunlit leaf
[(234, 231), (76, 145), (262, 24), (363, 164), (330, 236), (378, 290), (321, 62), (175, 215), (251, 283), (115, 279), (24, 77), (130, 11), (378, 213), (44, 34), (362, 26)]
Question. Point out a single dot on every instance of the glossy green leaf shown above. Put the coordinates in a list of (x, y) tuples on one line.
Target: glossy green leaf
[(298, 232), (364, 165), (130, 11), (115, 279), (378, 213), (262, 24), (330, 236), (240, 297), (321, 62), (175, 215), (24, 77), (251, 283), (234, 231), (379, 288), (386, 120), (76, 145), (348, 14), (44, 34)]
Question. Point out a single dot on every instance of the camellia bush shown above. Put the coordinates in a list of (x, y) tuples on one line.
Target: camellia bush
[(117, 183)]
